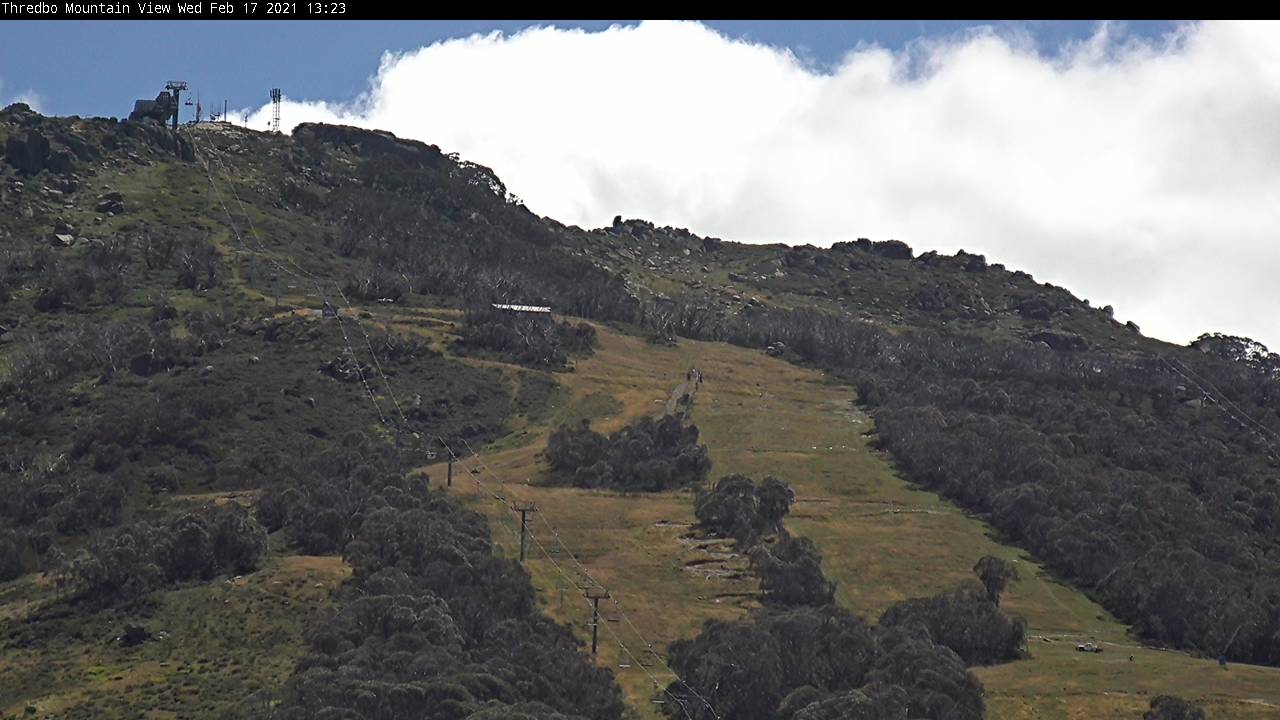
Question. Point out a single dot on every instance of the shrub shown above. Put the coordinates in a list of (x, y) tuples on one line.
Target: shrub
[(647, 456), (740, 509)]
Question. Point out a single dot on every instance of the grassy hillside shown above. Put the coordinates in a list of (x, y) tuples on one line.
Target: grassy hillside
[(882, 540), (223, 647), (222, 316)]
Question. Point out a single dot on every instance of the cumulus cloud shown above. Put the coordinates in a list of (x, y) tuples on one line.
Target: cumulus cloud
[(1139, 173)]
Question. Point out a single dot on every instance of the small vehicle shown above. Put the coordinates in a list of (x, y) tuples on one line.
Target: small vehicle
[(1089, 647)]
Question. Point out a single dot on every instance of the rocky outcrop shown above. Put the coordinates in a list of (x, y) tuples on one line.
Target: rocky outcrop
[(20, 114), (28, 153), (369, 143), (160, 138), (56, 146), (1061, 341)]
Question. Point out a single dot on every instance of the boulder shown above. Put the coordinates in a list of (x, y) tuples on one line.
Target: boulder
[(60, 161), (134, 635), (1061, 341), (1035, 308), (973, 263), (892, 249), (28, 155)]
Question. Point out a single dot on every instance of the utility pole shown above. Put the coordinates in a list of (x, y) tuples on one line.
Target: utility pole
[(595, 595), (524, 508)]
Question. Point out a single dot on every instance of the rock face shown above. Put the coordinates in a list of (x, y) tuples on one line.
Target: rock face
[(369, 143), (161, 138), (34, 152), (27, 154), (20, 114), (973, 263)]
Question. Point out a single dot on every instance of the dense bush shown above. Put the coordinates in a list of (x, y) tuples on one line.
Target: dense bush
[(738, 508), (484, 243), (535, 341), (995, 574), (434, 623), (647, 456), (141, 557), (818, 664), (1169, 707), (71, 504), (967, 621), (12, 551), (790, 572)]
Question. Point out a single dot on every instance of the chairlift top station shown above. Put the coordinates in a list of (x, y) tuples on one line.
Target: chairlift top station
[(166, 107)]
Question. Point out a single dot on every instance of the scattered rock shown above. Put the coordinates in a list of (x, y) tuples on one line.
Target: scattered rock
[(111, 203)]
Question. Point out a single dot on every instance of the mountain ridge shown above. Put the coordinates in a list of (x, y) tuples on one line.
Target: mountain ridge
[(1133, 467)]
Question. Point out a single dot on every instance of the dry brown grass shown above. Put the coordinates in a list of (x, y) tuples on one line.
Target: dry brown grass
[(882, 540)]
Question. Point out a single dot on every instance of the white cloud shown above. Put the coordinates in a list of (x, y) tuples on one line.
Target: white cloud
[(30, 97), (1143, 174)]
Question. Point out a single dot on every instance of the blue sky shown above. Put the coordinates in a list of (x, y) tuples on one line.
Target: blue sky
[(99, 68)]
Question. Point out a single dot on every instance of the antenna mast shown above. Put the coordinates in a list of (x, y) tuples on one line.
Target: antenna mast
[(276, 96)]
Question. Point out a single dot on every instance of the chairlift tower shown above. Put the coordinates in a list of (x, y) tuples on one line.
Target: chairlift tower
[(176, 87), (524, 508), (595, 595)]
